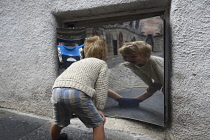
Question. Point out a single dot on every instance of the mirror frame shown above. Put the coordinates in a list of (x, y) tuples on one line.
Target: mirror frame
[(123, 17)]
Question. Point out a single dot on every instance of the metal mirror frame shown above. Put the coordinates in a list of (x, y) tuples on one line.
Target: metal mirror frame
[(167, 55)]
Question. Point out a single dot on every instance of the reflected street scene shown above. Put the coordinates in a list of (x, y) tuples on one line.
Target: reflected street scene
[(135, 59), (126, 83)]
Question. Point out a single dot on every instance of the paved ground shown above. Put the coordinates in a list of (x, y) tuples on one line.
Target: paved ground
[(20, 126)]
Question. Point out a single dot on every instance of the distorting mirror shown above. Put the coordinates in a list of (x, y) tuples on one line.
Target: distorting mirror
[(122, 80)]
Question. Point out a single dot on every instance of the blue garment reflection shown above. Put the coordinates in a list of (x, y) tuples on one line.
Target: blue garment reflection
[(70, 54)]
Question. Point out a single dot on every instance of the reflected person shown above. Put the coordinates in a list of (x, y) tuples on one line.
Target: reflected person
[(147, 67)]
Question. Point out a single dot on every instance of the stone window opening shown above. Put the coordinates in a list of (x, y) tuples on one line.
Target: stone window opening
[(100, 26)]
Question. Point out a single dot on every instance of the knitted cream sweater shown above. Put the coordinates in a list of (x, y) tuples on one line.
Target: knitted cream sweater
[(89, 75), (152, 71)]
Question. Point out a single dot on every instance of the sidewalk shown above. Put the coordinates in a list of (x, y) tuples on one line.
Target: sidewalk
[(20, 126)]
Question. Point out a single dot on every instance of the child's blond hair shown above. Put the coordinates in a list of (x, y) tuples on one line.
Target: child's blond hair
[(94, 47), (136, 47)]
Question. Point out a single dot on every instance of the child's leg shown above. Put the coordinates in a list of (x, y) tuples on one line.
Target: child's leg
[(55, 131), (61, 111), (98, 133), (87, 112)]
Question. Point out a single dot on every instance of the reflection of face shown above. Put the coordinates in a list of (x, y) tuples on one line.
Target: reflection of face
[(135, 59)]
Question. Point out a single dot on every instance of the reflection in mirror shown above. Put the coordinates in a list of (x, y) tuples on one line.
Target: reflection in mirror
[(136, 78)]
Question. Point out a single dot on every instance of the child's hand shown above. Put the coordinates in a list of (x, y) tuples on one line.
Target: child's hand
[(151, 89), (102, 115), (128, 65)]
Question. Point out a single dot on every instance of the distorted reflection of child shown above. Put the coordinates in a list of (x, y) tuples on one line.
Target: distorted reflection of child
[(147, 67)]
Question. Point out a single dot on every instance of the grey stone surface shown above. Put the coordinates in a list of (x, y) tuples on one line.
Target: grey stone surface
[(190, 81), (17, 126)]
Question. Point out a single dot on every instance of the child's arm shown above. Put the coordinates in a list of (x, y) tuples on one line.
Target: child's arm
[(150, 91), (112, 94), (101, 87)]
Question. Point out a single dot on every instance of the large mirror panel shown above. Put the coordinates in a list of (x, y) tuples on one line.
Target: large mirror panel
[(122, 79)]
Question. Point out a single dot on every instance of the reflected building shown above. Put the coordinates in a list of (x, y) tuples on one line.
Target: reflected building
[(149, 30)]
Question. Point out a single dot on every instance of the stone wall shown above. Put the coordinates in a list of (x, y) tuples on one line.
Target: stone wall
[(190, 100), (28, 54)]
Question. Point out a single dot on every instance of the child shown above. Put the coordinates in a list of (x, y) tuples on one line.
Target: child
[(149, 68), (75, 89)]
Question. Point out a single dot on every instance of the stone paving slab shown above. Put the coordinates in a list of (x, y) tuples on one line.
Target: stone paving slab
[(21, 126)]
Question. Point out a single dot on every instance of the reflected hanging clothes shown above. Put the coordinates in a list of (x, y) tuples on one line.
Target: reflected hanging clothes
[(70, 54)]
